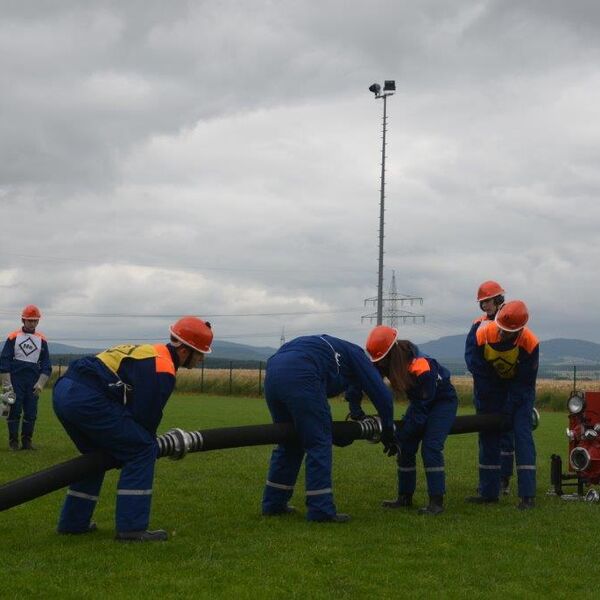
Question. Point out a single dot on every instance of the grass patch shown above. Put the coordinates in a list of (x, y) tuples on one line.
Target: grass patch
[(222, 548)]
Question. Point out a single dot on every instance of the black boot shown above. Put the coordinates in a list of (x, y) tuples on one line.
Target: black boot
[(158, 535), (13, 443), (402, 500), (505, 486), (526, 503), (26, 443), (435, 506)]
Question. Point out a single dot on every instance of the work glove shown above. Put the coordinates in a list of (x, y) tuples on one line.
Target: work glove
[(7, 399), (8, 394), (39, 384), (388, 439)]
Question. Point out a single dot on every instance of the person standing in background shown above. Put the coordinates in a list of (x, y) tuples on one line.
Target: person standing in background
[(24, 369), (490, 297), (505, 362)]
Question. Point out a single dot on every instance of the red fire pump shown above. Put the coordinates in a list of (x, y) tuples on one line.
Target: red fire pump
[(583, 433)]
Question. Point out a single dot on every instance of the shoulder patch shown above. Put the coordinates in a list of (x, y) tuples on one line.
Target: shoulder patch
[(419, 366), (528, 340), (164, 362)]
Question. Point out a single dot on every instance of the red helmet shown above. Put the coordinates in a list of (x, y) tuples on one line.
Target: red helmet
[(31, 311), (380, 341), (512, 316), (193, 332), (489, 289)]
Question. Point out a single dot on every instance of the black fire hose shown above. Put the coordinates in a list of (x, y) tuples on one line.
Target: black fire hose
[(177, 443)]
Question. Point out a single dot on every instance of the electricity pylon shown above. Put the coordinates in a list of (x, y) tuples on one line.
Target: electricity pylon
[(391, 312)]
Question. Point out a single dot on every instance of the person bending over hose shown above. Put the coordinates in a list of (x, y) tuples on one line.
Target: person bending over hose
[(299, 378), (428, 419), (114, 402)]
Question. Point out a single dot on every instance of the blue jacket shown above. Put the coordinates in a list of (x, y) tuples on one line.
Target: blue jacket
[(141, 377), (345, 367), (25, 355), (431, 384)]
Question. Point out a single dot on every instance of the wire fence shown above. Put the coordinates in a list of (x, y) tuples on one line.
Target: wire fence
[(246, 378)]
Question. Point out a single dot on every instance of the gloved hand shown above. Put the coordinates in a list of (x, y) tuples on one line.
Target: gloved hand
[(8, 394), (39, 384), (388, 439), (7, 399)]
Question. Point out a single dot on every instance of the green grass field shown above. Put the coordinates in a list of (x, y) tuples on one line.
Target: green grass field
[(221, 547)]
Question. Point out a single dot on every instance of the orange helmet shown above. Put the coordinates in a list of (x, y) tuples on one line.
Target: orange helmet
[(489, 289), (31, 311), (193, 332), (512, 316), (380, 341)]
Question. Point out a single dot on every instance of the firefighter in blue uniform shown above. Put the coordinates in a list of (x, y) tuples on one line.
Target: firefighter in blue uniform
[(114, 402), (24, 368), (504, 363), (300, 377), (428, 419), (490, 296)]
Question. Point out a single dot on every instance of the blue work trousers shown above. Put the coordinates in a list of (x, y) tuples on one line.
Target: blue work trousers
[(296, 393), (507, 440), (491, 444), (96, 422), (26, 404), (507, 454), (432, 440)]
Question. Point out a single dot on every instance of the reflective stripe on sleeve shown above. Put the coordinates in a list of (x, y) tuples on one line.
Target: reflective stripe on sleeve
[(134, 492), (525, 467), (407, 469), (490, 467), (434, 469), (279, 486)]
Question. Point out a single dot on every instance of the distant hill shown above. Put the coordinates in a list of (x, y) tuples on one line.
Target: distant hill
[(220, 350), (449, 350), (556, 352), (56, 349), (566, 351)]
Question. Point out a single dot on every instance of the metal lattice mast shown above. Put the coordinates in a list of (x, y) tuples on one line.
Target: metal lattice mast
[(394, 313), (388, 90)]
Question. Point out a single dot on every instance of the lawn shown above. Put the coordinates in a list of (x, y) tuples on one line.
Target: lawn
[(221, 547)]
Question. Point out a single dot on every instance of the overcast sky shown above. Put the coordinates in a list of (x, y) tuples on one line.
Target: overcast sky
[(222, 158)]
